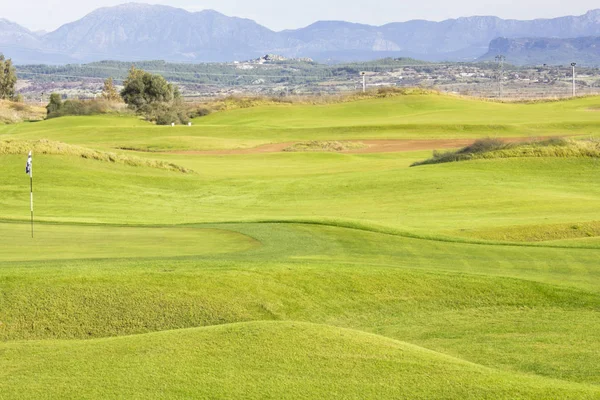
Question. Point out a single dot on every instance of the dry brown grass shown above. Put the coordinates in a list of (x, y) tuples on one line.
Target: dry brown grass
[(496, 148), (325, 146), (13, 113), (49, 147)]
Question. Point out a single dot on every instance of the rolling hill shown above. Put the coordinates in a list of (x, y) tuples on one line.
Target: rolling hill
[(302, 274)]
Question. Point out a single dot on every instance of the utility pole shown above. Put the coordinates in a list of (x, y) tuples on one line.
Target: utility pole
[(573, 65), (500, 59), (364, 76)]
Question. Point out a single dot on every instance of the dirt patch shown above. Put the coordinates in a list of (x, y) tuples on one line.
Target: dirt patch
[(369, 146)]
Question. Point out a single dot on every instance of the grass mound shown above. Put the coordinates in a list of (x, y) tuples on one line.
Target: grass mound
[(325, 146), (13, 113), (260, 360), (541, 233), (49, 147), (495, 148)]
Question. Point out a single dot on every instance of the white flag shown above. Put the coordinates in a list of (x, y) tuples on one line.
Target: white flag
[(28, 166)]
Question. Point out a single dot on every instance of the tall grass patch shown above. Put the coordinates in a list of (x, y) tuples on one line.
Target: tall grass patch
[(325, 146), (13, 112), (495, 148), (48, 147)]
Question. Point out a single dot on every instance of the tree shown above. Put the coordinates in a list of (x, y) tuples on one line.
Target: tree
[(143, 89), (55, 103), (8, 78), (109, 92)]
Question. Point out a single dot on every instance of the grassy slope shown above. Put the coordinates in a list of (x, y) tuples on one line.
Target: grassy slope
[(520, 309), (258, 361), (415, 116), (452, 298), (493, 194)]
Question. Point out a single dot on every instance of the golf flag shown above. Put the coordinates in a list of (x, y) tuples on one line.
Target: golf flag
[(29, 171), (28, 166)]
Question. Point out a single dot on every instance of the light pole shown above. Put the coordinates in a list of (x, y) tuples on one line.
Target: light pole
[(500, 59), (573, 65), (364, 76)]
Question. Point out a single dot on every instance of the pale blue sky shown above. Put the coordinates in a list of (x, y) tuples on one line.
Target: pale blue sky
[(284, 14)]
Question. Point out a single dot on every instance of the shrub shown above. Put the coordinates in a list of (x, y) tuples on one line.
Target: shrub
[(55, 104), (199, 112), (86, 107), (167, 113)]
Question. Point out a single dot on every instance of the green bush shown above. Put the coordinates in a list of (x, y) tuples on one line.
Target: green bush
[(166, 113), (84, 107), (55, 104), (199, 112)]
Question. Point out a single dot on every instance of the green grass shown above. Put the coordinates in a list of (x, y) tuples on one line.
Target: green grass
[(403, 117), (302, 274), (56, 242), (261, 360)]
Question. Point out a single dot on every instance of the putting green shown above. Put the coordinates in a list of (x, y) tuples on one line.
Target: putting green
[(52, 242)]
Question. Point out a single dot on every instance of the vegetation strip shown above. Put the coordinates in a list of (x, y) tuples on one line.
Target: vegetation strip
[(49, 147), (498, 148)]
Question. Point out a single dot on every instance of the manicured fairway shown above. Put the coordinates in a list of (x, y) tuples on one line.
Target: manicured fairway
[(404, 117), (303, 275)]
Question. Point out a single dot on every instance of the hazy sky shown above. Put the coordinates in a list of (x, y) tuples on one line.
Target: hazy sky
[(285, 14)]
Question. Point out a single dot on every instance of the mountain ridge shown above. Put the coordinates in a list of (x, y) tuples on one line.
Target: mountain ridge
[(138, 31), (549, 51)]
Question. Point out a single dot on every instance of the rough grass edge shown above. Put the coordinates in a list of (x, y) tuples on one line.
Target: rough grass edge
[(491, 148), (324, 146), (48, 147)]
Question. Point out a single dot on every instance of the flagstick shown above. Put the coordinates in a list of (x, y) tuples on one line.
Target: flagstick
[(31, 195)]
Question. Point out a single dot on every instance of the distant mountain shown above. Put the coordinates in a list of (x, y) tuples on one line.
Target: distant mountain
[(14, 35), (22, 45), (462, 39), (141, 32), (538, 51)]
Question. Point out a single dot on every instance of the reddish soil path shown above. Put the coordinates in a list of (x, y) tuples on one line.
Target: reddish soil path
[(371, 146)]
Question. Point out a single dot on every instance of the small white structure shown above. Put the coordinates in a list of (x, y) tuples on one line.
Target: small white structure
[(189, 124), (172, 123)]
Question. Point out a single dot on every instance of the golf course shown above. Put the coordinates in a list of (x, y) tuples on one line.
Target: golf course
[(304, 251)]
